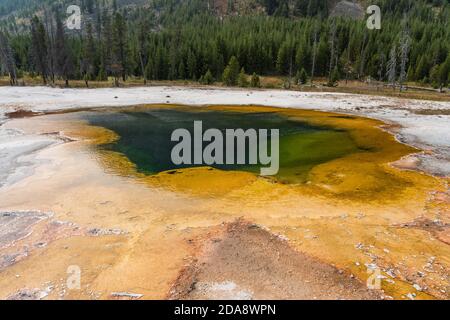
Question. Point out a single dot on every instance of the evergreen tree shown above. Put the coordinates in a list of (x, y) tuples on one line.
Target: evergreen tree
[(301, 77), (63, 61), (334, 78), (119, 48), (439, 74), (106, 68), (285, 58), (242, 79), (192, 65), (39, 49), (184, 41), (444, 75), (302, 57), (207, 78), (423, 68), (255, 82), (182, 70), (7, 61), (231, 72), (88, 56), (435, 76)]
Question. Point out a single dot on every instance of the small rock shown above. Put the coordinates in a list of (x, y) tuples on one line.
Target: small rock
[(40, 244), (391, 273), (411, 296), (417, 287), (390, 281), (127, 295), (282, 237), (372, 266)]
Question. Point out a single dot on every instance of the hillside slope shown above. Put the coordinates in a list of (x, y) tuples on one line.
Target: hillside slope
[(23, 10)]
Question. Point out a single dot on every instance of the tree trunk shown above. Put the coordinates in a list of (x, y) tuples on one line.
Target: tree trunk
[(12, 79), (314, 54), (143, 69)]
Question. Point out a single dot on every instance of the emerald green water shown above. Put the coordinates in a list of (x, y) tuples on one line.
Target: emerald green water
[(145, 138)]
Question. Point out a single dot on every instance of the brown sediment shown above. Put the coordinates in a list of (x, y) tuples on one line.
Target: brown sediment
[(22, 114), (410, 162), (241, 260), (437, 228), (348, 214), (437, 112)]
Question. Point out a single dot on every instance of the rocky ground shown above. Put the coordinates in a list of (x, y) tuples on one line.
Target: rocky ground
[(262, 266)]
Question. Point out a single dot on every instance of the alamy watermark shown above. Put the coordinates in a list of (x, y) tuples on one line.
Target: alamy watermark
[(374, 20), (231, 147), (374, 279), (73, 281), (73, 22)]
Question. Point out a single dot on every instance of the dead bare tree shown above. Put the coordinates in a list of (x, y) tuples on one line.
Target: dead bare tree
[(51, 57), (381, 66), (63, 62), (405, 41), (314, 53), (392, 67), (7, 60), (362, 54), (39, 48), (333, 30), (143, 42)]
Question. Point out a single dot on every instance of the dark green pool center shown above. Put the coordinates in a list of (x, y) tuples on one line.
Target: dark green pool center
[(145, 138)]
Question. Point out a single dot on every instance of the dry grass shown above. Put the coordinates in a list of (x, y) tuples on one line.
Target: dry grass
[(378, 89)]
